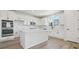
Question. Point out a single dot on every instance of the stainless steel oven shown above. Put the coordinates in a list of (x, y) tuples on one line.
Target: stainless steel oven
[(7, 28), (7, 32)]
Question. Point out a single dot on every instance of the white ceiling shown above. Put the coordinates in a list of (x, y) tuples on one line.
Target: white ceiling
[(39, 13)]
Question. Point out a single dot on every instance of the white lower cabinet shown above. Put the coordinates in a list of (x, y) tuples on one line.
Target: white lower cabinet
[(32, 37)]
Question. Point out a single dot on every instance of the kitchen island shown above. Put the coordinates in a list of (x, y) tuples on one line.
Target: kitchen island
[(33, 36)]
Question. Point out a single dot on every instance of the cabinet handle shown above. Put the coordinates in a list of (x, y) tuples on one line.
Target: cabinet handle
[(68, 29), (77, 28), (78, 19)]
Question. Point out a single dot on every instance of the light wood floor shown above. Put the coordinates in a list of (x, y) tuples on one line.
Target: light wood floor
[(53, 43), (11, 44)]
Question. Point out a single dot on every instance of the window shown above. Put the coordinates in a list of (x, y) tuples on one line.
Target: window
[(53, 21)]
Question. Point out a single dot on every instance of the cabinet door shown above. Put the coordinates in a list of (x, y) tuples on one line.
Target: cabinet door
[(11, 15), (0, 29), (70, 25), (77, 30), (37, 37), (3, 14)]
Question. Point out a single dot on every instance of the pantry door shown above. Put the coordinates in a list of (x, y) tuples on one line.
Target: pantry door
[(70, 25)]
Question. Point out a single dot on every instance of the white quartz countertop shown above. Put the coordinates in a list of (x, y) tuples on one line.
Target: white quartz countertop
[(33, 29)]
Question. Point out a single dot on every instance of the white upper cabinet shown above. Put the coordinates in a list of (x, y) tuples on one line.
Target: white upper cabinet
[(11, 15), (3, 14)]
